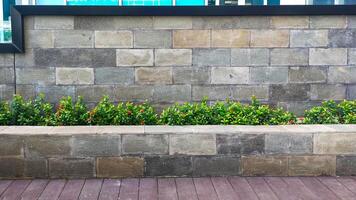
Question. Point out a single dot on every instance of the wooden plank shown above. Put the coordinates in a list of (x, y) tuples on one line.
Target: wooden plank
[(205, 189), (186, 189), (318, 188), (72, 190), (4, 184), (296, 185), (261, 188), (224, 189), (129, 189), (110, 189), (340, 190), (34, 190), (242, 188), (15, 189), (280, 188), (349, 183), (148, 189), (91, 189), (53, 190), (167, 189)]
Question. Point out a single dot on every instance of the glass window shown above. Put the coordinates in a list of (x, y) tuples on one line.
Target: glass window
[(147, 2), (93, 2), (190, 2), (50, 2)]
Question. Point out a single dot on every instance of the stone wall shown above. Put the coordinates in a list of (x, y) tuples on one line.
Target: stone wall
[(293, 62), (146, 151)]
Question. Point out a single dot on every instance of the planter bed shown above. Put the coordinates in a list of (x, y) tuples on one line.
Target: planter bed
[(146, 151)]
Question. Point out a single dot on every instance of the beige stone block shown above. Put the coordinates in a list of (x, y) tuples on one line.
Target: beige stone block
[(191, 38), (113, 39), (192, 144), (290, 22), (134, 57), (312, 166), (119, 167), (74, 76), (269, 38), (230, 38), (153, 75), (173, 57), (335, 143), (265, 166), (172, 22)]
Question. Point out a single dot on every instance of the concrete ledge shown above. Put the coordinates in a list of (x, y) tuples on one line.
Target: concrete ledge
[(144, 151)]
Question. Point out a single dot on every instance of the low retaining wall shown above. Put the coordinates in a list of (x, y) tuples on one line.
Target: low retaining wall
[(137, 151)]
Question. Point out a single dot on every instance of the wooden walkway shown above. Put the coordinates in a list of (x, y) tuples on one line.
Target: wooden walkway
[(256, 188)]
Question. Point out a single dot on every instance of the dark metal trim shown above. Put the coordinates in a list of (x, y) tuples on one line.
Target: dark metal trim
[(18, 12)]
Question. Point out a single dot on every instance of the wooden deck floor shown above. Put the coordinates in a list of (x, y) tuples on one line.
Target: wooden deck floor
[(256, 188)]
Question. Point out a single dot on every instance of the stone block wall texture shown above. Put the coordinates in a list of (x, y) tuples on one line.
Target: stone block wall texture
[(290, 61), (147, 151)]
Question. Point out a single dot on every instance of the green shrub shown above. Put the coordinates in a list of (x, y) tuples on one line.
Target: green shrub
[(70, 113), (104, 113), (5, 114)]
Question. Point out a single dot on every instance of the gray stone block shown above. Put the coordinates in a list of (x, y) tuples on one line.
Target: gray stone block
[(53, 93), (47, 146), (7, 75), (11, 167), (145, 144), (37, 168), (6, 60), (352, 56), (342, 38), (211, 57), (215, 22), (351, 21), (95, 145), (240, 144), (112, 22), (152, 39), (172, 22), (289, 92), (230, 75), (307, 75), (7, 92), (71, 168), (168, 166), (172, 93), (74, 76), (249, 57), (44, 76), (113, 39), (289, 57), (269, 75), (351, 92), (53, 22), (297, 107), (191, 75), (134, 93), (134, 57), (342, 75), (216, 166), (39, 39), (335, 56), (26, 59), (153, 75), (309, 38), (192, 144), (289, 144), (173, 57), (213, 93), (95, 93), (254, 22), (115, 76), (327, 21), (327, 92), (244, 93), (11, 145), (346, 165), (73, 39)]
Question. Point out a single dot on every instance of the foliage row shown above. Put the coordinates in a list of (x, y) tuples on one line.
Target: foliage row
[(70, 112)]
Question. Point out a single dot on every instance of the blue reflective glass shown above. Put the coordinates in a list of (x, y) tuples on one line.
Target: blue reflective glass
[(93, 2), (190, 2), (50, 2), (147, 2)]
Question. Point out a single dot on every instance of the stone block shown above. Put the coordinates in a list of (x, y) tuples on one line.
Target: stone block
[(95, 145), (269, 75), (11, 167), (336, 143), (307, 75), (289, 92), (114, 76), (172, 93), (37, 168), (221, 22), (53, 93), (213, 93), (113, 39), (119, 167), (264, 165), (211, 57), (134, 57), (240, 144), (230, 38), (11, 145), (26, 59), (153, 75), (289, 144), (312, 166), (336, 56), (297, 107), (94, 93), (191, 75), (327, 21), (327, 92), (172, 22), (47, 146), (173, 57), (53, 22), (73, 39), (191, 38), (244, 93), (289, 57), (230, 75), (39, 39), (6, 60), (145, 144), (342, 74), (168, 166), (342, 38), (269, 38), (74, 76), (7, 75), (133, 93), (298, 22), (38, 76), (346, 165), (192, 144), (7, 92), (29, 22), (309, 38), (112, 22), (71, 168), (152, 39), (216, 166), (352, 56), (351, 21), (249, 57), (351, 92), (253, 22)]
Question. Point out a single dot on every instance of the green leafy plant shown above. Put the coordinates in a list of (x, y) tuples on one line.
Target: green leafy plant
[(70, 113), (5, 114), (104, 113)]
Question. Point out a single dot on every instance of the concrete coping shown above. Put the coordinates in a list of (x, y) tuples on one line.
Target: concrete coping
[(205, 129)]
